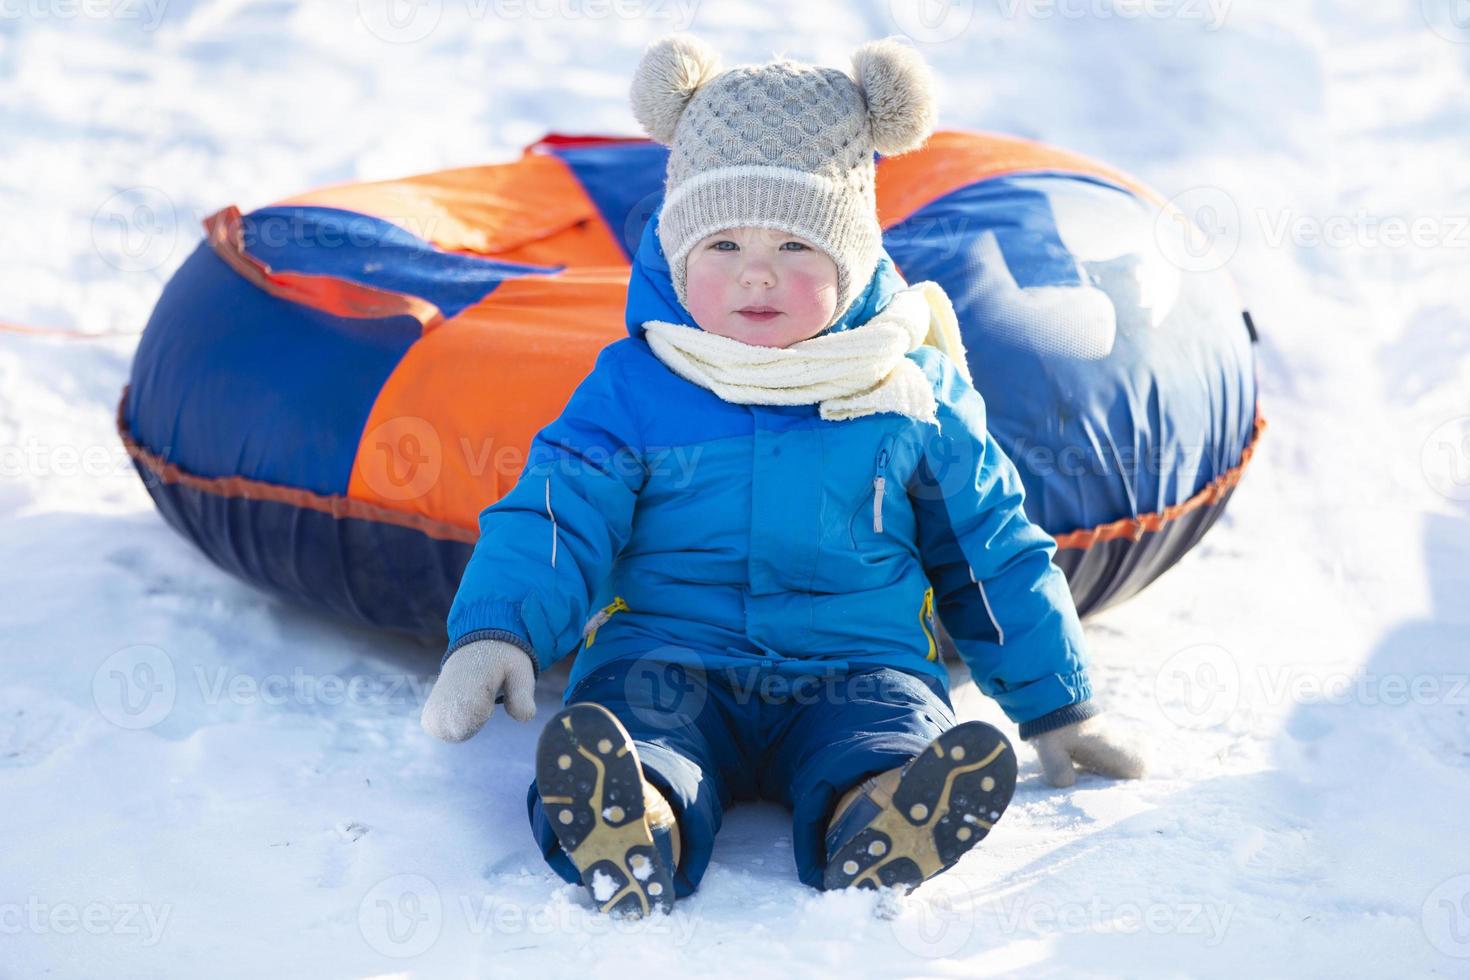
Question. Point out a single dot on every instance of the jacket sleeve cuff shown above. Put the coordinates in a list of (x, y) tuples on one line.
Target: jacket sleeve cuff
[(506, 636), (1038, 698), (1059, 718), (496, 619)]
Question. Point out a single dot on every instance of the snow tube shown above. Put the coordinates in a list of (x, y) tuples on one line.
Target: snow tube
[(331, 388)]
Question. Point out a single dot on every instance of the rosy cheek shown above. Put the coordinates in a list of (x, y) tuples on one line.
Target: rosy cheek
[(810, 293), (702, 291)]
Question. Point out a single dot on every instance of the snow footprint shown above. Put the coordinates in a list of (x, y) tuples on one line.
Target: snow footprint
[(34, 726), (340, 854)]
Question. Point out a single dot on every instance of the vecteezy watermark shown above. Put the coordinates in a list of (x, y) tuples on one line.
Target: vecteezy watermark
[(302, 689), (1363, 229), (401, 916), (400, 21), (1308, 684), (149, 13), (1450, 19), (937, 921), (405, 457), (1198, 230), (635, 222), (941, 236), (401, 458), (676, 14), (412, 21), (668, 686), (1445, 917), (135, 687), (326, 231), (1445, 459), (932, 21), (665, 688), (138, 686), (136, 229), (1212, 13), (1198, 687), (940, 919), (1083, 460), (404, 916), (1022, 915), (488, 914), (96, 918), (31, 457)]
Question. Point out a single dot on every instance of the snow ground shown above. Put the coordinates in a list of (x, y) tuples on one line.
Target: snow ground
[(1299, 678)]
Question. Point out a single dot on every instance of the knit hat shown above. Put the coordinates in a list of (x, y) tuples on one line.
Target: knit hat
[(780, 145)]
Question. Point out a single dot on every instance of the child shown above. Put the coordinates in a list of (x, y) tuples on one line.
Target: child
[(774, 484)]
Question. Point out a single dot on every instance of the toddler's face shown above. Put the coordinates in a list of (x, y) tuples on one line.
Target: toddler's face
[(734, 273)]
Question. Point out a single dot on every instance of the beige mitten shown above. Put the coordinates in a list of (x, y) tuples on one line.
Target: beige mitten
[(1090, 745), (463, 697)]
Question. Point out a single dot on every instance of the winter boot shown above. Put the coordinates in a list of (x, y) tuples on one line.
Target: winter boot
[(616, 827), (906, 825)]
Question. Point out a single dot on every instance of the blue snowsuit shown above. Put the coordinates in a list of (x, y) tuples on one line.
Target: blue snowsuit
[(752, 589)]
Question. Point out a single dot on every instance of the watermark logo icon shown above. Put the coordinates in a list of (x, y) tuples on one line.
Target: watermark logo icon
[(1450, 19), (401, 916), (135, 687), (1445, 459), (400, 21), (932, 21), (1446, 917), (664, 693), (401, 458), (1198, 687), (940, 923), (1198, 230), (136, 229)]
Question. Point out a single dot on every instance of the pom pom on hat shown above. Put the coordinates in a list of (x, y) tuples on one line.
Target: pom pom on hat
[(899, 88), (671, 71)]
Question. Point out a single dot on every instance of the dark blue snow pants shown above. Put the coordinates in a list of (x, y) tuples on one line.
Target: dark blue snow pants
[(709, 737)]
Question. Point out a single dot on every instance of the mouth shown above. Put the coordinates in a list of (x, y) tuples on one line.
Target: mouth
[(759, 312)]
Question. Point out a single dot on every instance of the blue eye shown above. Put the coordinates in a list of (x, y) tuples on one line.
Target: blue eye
[(734, 247)]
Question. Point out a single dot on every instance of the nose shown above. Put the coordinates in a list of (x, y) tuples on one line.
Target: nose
[(753, 273)]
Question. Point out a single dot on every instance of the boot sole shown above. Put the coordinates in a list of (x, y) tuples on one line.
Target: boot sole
[(947, 800), (591, 786)]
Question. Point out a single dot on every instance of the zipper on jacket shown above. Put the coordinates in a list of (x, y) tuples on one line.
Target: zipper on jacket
[(926, 623), (601, 616), (552, 515), (880, 481), (882, 462)]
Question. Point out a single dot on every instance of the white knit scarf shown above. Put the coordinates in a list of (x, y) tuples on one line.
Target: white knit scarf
[(849, 373)]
